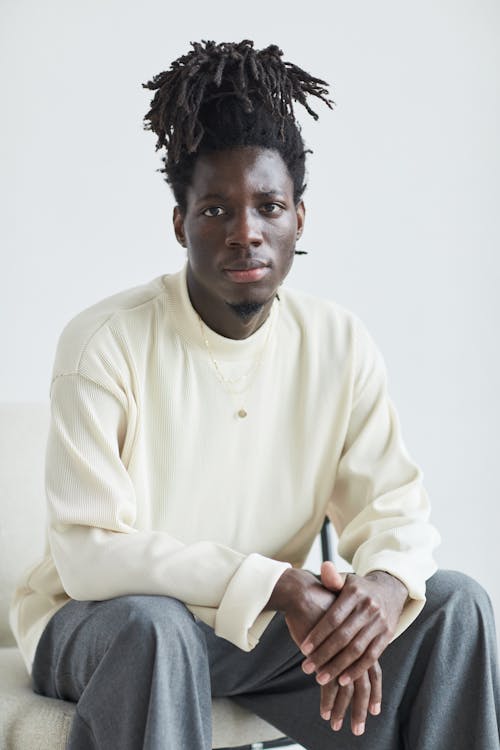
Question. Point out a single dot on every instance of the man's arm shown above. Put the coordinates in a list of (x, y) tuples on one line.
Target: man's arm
[(380, 511), (100, 535), (379, 506)]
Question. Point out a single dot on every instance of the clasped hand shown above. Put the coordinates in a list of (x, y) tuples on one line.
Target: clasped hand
[(347, 639)]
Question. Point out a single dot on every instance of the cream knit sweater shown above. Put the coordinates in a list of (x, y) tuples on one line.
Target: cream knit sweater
[(156, 486)]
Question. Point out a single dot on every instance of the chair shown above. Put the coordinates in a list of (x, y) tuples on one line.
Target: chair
[(33, 722)]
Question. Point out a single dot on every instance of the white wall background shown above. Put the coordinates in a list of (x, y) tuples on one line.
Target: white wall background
[(403, 205)]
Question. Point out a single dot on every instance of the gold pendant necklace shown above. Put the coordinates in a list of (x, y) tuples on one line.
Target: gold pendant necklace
[(247, 377)]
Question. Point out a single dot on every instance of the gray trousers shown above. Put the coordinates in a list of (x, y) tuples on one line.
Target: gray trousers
[(142, 671)]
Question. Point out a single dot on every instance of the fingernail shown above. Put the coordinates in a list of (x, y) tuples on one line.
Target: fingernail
[(359, 729), (307, 648), (308, 667), (344, 680), (337, 725), (326, 715), (375, 709), (324, 678)]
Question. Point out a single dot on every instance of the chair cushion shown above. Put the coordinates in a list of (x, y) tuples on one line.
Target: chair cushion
[(29, 721), (33, 722)]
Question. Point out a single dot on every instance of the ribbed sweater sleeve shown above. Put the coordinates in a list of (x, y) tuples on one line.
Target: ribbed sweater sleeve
[(99, 549), (379, 506)]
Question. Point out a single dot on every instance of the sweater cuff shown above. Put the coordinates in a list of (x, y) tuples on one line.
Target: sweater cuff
[(406, 573), (240, 617)]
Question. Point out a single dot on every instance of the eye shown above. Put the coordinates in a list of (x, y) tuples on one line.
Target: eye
[(213, 211), (272, 208)]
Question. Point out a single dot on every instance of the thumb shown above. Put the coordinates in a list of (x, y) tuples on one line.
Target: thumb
[(331, 578)]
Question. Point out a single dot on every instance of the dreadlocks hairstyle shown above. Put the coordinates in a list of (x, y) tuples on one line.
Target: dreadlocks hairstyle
[(220, 96)]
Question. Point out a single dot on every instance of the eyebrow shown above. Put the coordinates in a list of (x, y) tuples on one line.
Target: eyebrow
[(211, 196), (221, 196)]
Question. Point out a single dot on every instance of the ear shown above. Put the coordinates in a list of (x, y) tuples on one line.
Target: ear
[(178, 221), (301, 217)]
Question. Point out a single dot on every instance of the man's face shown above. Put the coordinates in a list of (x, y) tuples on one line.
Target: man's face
[(240, 230)]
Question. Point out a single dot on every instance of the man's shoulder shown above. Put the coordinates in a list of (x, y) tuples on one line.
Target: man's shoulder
[(102, 319), (326, 324), (309, 309)]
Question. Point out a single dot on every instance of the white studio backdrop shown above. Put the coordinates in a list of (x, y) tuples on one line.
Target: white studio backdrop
[(403, 199)]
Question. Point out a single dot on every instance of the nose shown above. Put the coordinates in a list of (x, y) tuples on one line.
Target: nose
[(244, 229)]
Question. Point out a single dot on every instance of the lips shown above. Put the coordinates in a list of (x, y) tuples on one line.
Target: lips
[(246, 265), (247, 271), (247, 276)]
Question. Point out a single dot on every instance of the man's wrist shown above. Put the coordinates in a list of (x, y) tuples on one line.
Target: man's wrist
[(289, 589), (397, 588)]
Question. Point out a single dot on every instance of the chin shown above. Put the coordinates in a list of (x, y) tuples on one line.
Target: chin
[(253, 296), (246, 310), (250, 302)]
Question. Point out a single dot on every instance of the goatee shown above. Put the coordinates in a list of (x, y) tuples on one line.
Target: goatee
[(246, 310)]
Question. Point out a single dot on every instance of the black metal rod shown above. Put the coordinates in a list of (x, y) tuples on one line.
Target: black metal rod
[(326, 544)]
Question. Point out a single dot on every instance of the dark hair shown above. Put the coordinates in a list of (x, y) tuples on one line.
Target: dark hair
[(220, 96)]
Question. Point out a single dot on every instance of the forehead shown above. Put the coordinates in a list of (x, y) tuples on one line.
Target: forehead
[(260, 170)]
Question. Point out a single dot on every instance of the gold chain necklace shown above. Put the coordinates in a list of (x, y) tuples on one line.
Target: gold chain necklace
[(228, 382)]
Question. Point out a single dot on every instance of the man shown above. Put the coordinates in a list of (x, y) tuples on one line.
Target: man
[(202, 427)]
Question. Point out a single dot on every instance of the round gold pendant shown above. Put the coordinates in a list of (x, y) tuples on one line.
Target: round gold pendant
[(242, 413)]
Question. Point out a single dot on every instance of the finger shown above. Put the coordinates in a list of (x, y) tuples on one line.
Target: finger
[(330, 577), (331, 620), (355, 653), (340, 706), (367, 660), (375, 676), (336, 643), (369, 693), (328, 695), (360, 701)]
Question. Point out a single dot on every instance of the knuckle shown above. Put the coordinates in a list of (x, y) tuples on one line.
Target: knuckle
[(347, 691), (331, 617), (376, 679), (382, 618), (377, 669), (345, 636), (359, 711), (357, 673), (363, 688), (318, 656), (337, 617), (329, 691), (356, 587), (357, 648), (343, 699), (372, 605)]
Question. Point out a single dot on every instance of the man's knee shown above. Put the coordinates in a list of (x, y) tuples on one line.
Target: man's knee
[(156, 622), (458, 594)]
